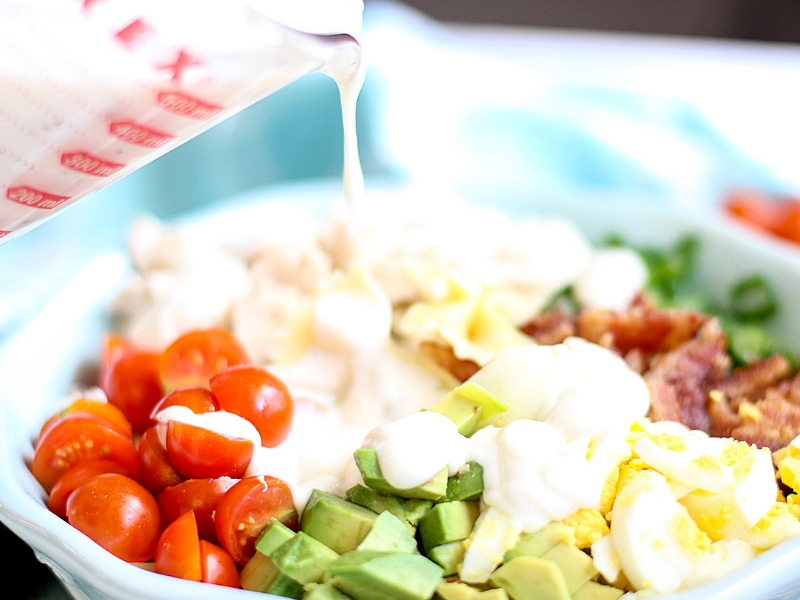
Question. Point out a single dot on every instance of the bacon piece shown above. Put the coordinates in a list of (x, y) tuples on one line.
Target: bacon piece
[(750, 382), (551, 327), (771, 423), (679, 379), (643, 327), (446, 359)]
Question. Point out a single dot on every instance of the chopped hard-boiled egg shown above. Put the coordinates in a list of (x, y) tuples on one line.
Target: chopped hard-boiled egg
[(654, 536)]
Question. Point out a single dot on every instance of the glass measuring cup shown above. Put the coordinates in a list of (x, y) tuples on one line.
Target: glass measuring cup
[(91, 90)]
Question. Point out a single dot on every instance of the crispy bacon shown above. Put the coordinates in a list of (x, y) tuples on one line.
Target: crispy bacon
[(643, 328), (679, 379), (446, 359), (682, 356)]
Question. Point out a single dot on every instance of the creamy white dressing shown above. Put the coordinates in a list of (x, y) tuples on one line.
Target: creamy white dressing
[(611, 280), (539, 465)]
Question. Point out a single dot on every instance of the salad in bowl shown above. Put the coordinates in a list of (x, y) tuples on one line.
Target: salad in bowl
[(419, 396)]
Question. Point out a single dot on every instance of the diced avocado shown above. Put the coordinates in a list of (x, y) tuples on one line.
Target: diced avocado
[(455, 590), (466, 484), (303, 558), (536, 544), (447, 522), (273, 535), (591, 590), (576, 565), (408, 510), (448, 556), (463, 412), (373, 575), (260, 574), (367, 461), (389, 534), (472, 391), (337, 523), (531, 578), (322, 591)]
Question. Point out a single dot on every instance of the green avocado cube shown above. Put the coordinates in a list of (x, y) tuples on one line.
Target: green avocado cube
[(455, 590), (260, 574), (466, 484), (367, 462), (539, 542), (337, 523), (303, 558), (465, 398), (273, 535), (374, 575), (408, 510), (576, 565), (389, 534), (449, 556), (591, 590), (447, 522), (465, 413), (531, 578), (322, 591)]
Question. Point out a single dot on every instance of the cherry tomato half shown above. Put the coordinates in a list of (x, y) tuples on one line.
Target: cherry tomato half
[(156, 472), (196, 356), (75, 477), (129, 376), (217, 565), (119, 514), (198, 399), (197, 452), (258, 396), (77, 438), (199, 495), (87, 407), (178, 551), (246, 508)]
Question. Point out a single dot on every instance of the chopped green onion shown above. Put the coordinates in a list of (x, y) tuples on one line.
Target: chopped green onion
[(752, 300)]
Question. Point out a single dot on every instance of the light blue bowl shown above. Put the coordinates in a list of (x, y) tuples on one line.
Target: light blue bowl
[(39, 362)]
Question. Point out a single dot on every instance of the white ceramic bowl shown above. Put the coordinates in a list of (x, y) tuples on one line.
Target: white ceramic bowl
[(41, 360)]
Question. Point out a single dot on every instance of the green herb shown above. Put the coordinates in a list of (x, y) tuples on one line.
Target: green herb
[(751, 301)]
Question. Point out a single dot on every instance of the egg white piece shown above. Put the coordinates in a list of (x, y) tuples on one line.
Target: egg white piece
[(494, 535), (657, 542)]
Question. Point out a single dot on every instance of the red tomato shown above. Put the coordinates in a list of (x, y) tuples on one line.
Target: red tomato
[(79, 438), (198, 399), (246, 508), (75, 477), (199, 495), (195, 357), (217, 565), (156, 472), (258, 396), (119, 514), (198, 453), (102, 410), (787, 225), (129, 377), (752, 209), (178, 550)]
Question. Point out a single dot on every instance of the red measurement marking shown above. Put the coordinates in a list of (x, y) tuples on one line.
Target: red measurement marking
[(133, 32), (133, 133), (186, 105), (32, 197), (91, 165), (183, 61), (3, 232)]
